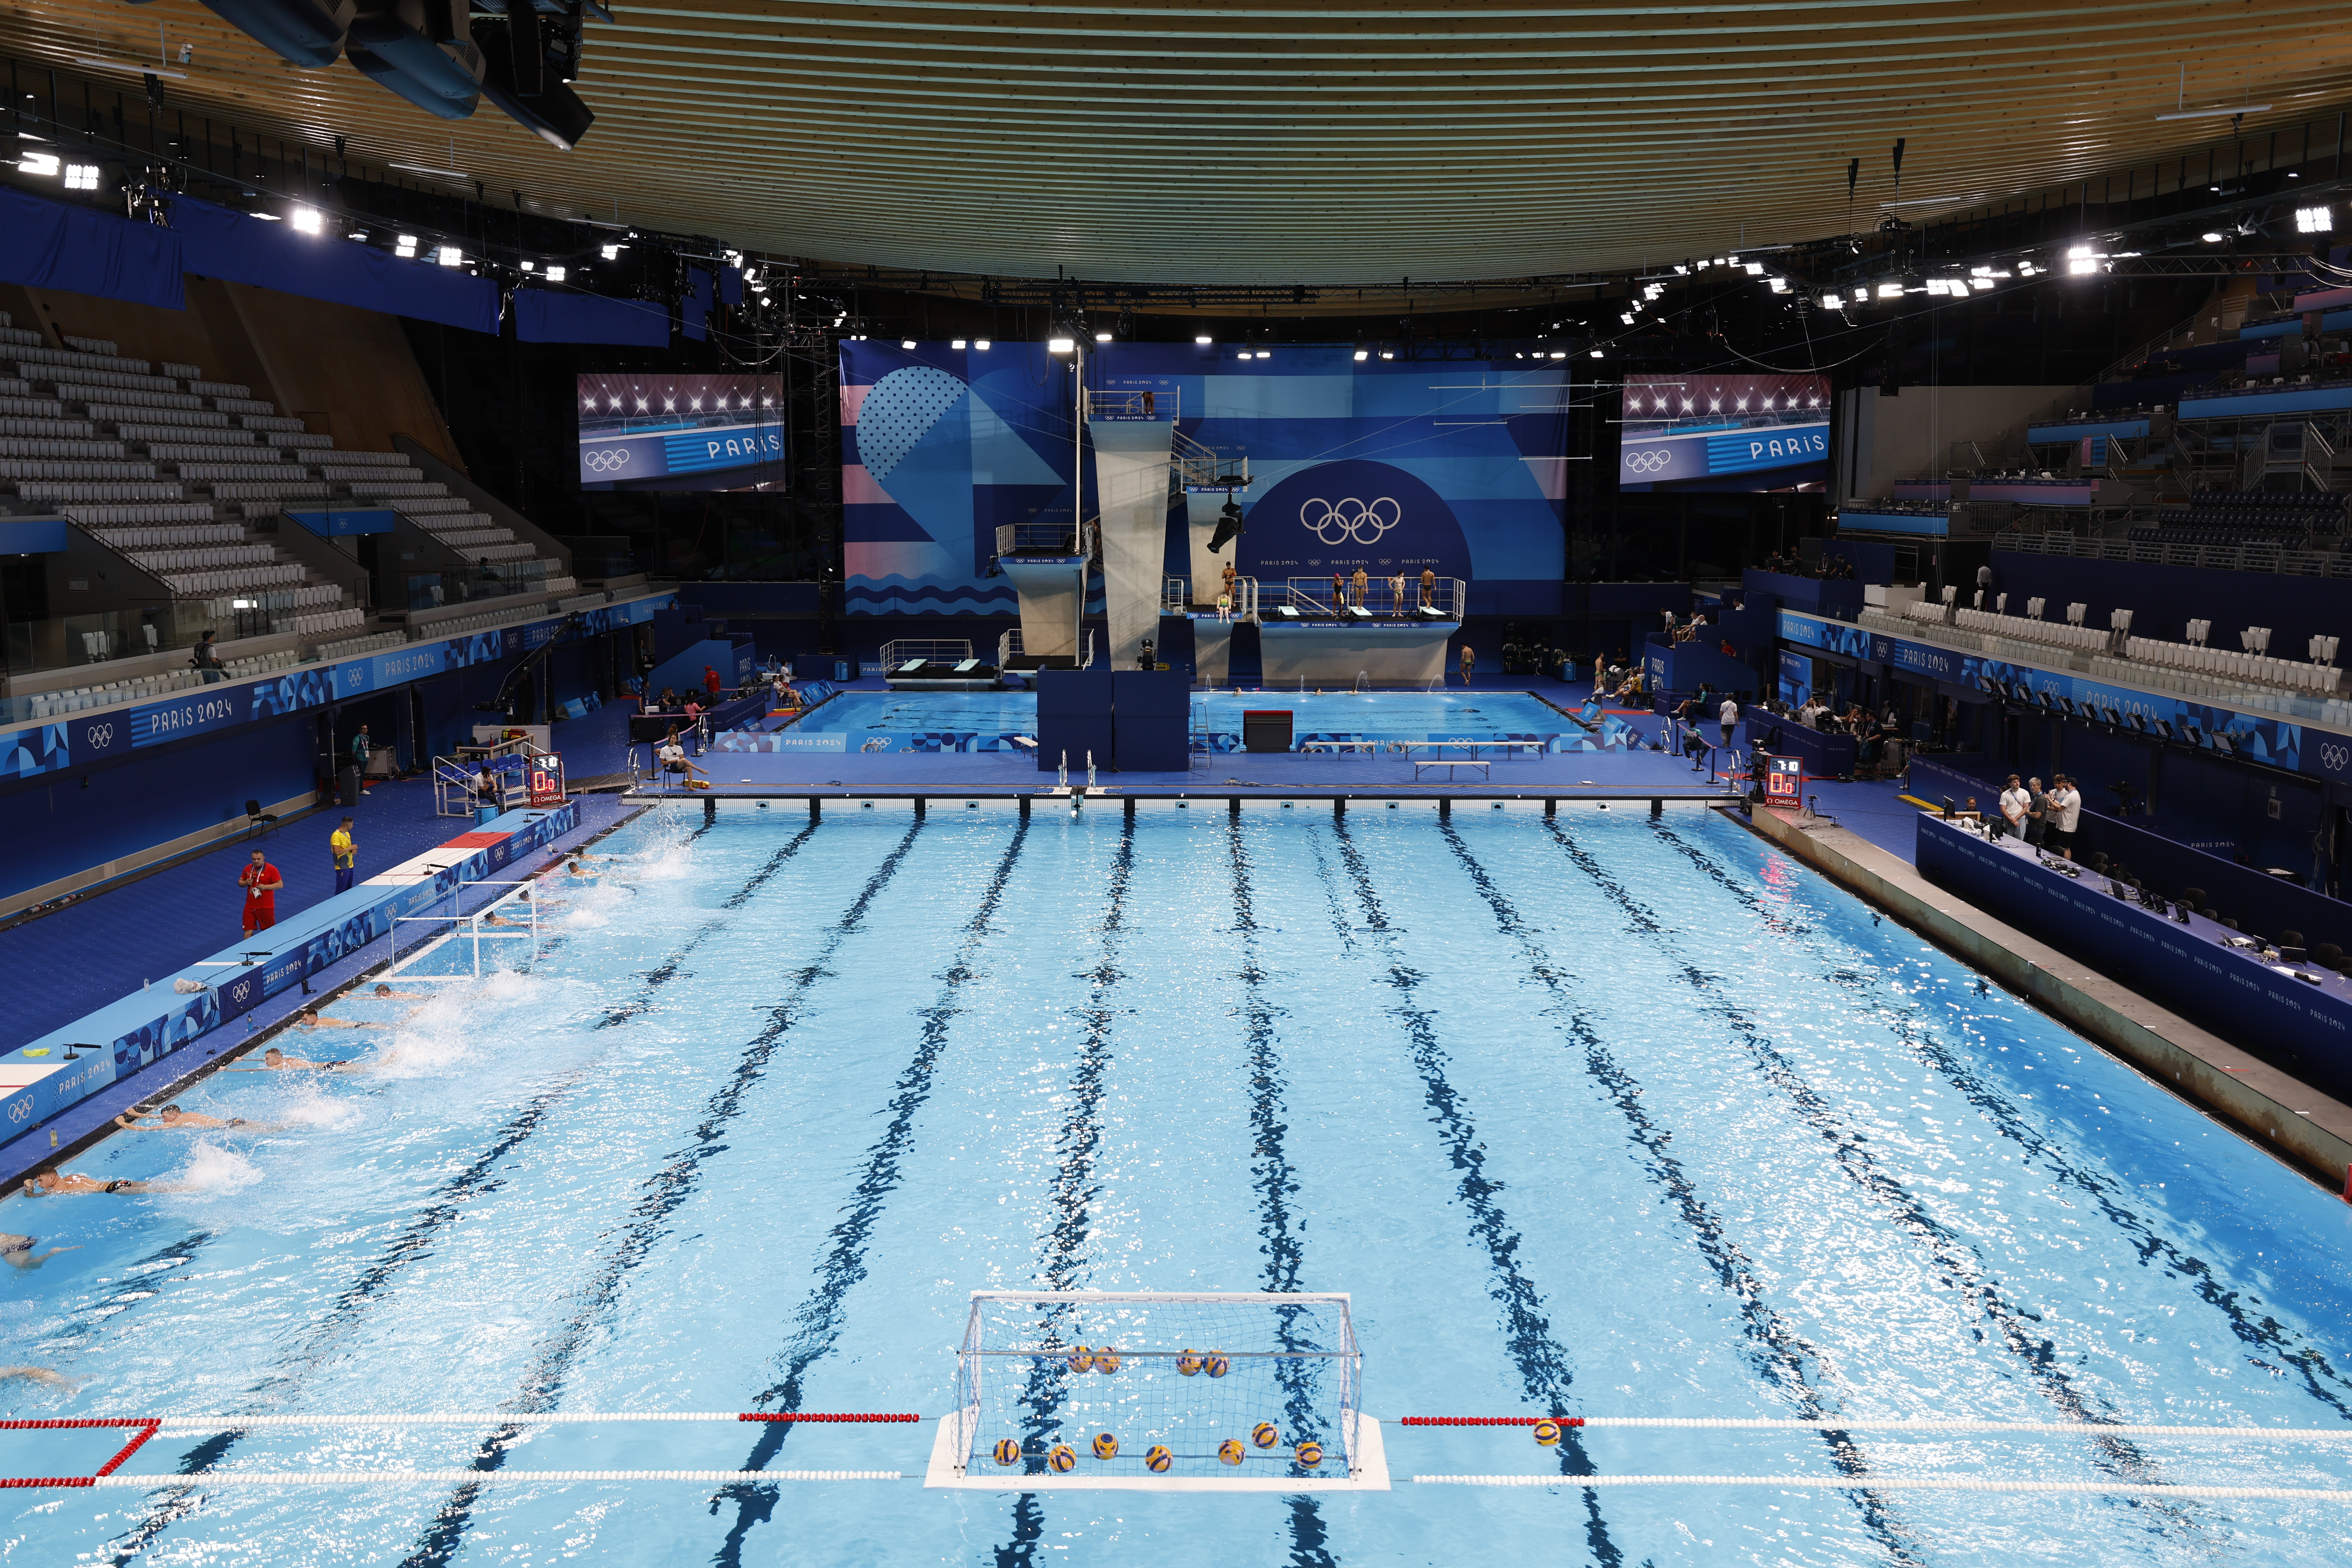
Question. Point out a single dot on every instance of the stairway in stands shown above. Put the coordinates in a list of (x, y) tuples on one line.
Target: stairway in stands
[(168, 470)]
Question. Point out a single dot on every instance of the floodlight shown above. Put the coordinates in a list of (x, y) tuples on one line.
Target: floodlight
[(2307, 220), (980, 344), (81, 176), (956, 344), (450, 256), (1061, 345), (306, 220), (1204, 340), (47, 163), (1362, 354), (1102, 337), (906, 343), (612, 253), (556, 274)]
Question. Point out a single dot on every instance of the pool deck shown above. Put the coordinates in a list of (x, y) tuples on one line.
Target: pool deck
[(2300, 1126)]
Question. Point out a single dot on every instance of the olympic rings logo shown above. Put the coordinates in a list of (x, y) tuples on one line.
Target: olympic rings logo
[(1342, 521), (99, 735), (610, 461), (20, 1108), (2333, 757), (1648, 462)]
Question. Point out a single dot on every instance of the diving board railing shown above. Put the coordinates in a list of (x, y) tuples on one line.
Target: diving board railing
[(915, 649), (1008, 649), (1313, 598)]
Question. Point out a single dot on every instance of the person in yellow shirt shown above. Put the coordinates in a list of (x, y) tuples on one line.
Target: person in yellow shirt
[(345, 854)]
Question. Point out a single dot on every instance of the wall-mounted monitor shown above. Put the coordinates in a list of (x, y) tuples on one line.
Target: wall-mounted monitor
[(664, 432), (1702, 431)]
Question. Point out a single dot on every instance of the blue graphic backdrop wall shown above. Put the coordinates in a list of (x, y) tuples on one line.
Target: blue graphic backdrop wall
[(1388, 464)]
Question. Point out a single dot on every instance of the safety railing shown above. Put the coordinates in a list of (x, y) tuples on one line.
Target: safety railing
[(2166, 553), (1052, 540), (917, 650), (1203, 468), (1008, 647), (1175, 595), (1144, 402), (1393, 597)]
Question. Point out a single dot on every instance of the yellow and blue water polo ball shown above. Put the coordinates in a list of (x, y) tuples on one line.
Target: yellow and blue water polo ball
[(1105, 1361), (1548, 1433), (1082, 1360), (1157, 1459), (1310, 1453), (1187, 1362), (1063, 1458), (1229, 1451), (1106, 1446), (1265, 1435), (1008, 1451), (1216, 1364)]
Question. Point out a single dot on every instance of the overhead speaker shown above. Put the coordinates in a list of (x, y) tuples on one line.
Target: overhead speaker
[(422, 50), (299, 32), (516, 77)]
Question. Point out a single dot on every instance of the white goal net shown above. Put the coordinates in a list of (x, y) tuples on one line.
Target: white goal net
[(1090, 1388)]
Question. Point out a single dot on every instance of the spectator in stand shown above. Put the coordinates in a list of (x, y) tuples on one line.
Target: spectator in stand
[(346, 855), (2013, 802), (205, 659), (261, 882), (2065, 814)]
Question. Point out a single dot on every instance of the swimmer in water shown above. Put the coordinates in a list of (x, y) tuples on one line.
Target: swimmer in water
[(37, 1375), (312, 1018), (47, 1182), (388, 994), (172, 1118), (276, 1060), (16, 1251)]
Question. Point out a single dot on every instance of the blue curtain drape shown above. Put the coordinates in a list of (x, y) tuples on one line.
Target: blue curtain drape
[(220, 242), (52, 245)]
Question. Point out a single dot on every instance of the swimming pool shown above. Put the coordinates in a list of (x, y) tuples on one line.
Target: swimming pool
[(986, 721), (1604, 1114)]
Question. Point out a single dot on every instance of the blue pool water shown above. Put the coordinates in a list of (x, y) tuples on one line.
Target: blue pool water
[(931, 721), (1606, 1116)]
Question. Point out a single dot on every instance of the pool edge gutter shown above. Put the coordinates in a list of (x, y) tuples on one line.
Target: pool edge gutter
[(2254, 1098)]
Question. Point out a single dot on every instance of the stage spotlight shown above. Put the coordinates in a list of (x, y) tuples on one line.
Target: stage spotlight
[(2313, 220), (1204, 340), (1061, 345), (556, 274)]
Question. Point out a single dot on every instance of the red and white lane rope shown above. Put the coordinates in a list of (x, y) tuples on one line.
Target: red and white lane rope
[(1905, 1483), (1930, 1424)]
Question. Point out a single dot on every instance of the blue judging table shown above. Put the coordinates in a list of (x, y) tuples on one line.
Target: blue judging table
[(2235, 993)]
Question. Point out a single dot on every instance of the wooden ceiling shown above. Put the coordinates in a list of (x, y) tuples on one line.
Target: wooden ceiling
[(1340, 144)]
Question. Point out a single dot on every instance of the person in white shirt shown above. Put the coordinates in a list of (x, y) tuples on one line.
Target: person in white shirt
[(2066, 808), (1728, 715), (672, 760), (2014, 801)]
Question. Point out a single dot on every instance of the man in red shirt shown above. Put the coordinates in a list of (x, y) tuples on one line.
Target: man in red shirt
[(260, 881), (711, 681)]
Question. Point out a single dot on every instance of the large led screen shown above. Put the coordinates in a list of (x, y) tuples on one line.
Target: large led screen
[(1724, 433), (681, 431)]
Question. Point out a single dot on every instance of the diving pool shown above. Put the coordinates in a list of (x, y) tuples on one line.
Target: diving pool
[(1604, 1114), (959, 719)]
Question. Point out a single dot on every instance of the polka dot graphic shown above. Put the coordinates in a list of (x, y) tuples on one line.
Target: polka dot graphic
[(899, 412)]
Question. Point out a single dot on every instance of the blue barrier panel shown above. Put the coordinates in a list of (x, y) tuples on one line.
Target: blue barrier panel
[(220, 242), (2184, 967), (542, 316), (45, 1076), (49, 245), (342, 524), (32, 535)]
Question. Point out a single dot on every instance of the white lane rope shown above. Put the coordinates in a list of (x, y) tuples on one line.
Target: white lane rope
[(188, 1425), (1905, 1483), (463, 1478), (2039, 1428)]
